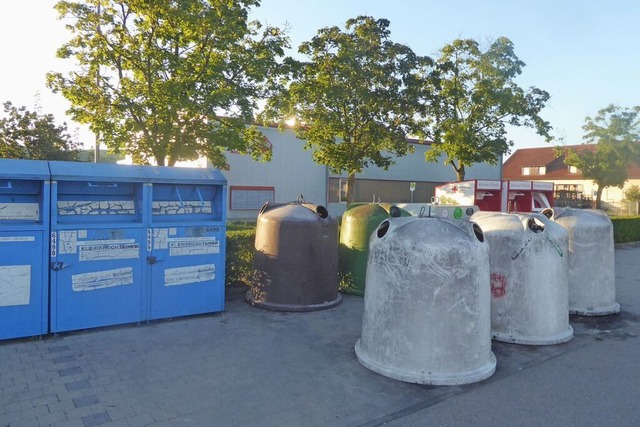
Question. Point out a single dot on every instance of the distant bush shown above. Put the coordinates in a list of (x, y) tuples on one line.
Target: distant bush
[(626, 229)]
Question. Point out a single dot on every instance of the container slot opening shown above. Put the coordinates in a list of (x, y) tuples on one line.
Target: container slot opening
[(478, 232), (200, 196), (535, 225), (394, 212), (383, 228), (177, 190), (102, 185), (322, 212)]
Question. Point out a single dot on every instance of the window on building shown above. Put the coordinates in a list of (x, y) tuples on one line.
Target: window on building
[(534, 170), (573, 169), (250, 198), (344, 187)]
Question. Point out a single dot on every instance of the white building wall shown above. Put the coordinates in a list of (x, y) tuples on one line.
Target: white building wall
[(291, 172), (413, 167)]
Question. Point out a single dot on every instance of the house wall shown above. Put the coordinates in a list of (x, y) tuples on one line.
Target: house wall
[(612, 197)]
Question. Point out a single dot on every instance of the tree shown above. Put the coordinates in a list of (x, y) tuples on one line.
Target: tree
[(353, 101), (615, 132), (26, 134), (170, 80), (469, 99), (632, 193)]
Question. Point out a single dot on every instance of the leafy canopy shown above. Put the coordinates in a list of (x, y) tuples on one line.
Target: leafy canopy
[(170, 80), (27, 134), (353, 101), (615, 131), (469, 99), (632, 193)]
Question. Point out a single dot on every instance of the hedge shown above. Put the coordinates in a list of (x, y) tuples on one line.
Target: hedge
[(240, 244), (626, 229)]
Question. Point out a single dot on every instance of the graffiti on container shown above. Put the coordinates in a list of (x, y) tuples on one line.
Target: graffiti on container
[(498, 285), (518, 251), (556, 247)]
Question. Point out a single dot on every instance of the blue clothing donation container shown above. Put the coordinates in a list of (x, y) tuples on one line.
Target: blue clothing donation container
[(24, 233), (98, 241), (186, 241)]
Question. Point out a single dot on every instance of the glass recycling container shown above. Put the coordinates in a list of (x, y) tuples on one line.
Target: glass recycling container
[(295, 263), (359, 221), (98, 240), (24, 249), (186, 241)]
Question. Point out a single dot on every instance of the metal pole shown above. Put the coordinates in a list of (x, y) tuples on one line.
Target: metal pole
[(96, 151)]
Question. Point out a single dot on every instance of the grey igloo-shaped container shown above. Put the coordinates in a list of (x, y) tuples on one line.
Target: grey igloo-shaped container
[(592, 280), (529, 278), (426, 313)]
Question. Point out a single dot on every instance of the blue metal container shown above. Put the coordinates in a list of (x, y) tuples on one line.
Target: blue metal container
[(186, 241), (98, 245), (24, 233)]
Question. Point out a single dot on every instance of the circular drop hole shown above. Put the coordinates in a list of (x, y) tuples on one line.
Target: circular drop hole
[(478, 232), (535, 225), (322, 212), (264, 208), (548, 213), (383, 228), (394, 212)]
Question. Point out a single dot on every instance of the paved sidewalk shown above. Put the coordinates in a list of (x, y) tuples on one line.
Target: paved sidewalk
[(250, 367)]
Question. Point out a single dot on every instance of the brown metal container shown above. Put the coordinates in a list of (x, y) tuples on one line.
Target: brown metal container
[(296, 258)]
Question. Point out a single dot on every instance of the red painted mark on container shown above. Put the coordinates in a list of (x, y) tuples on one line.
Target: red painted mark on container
[(498, 285)]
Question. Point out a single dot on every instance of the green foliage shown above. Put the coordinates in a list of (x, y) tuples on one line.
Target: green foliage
[(155, 78), (626, 229), (239, 256), (470, 97), (632, 193), (354, 100), (615, 132), (27, 134)]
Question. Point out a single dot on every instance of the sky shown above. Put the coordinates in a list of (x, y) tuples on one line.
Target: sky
[(583, 52)]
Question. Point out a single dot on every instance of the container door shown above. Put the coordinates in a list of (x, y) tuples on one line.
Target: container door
[(187, 270), (23, 286), (96, 278)]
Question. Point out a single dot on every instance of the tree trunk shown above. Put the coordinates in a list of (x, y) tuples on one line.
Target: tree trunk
[(599, 197), (460, 172), (351, 188)]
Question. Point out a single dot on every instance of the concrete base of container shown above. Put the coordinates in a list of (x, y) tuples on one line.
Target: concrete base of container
[(292, 307), (429, 378), (550, 340), (596, 311)]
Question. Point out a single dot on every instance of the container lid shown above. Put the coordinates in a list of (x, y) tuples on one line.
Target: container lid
[(85, 171), (179, 175), (24, 169)]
